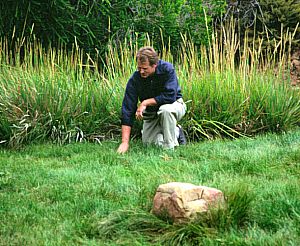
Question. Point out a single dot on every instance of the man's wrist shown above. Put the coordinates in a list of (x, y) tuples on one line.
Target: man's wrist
[(144, 103)]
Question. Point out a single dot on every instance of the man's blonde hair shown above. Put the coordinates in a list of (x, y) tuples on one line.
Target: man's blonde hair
[(147, 53)]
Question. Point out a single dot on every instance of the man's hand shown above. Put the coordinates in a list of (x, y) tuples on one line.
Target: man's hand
[(123, 148), (143, 106), (139, 112)]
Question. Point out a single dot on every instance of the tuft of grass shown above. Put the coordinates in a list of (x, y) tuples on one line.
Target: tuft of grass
[(235, 214), (122, 221)]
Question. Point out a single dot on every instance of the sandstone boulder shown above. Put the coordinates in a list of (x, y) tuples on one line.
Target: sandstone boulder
[(183, 201)]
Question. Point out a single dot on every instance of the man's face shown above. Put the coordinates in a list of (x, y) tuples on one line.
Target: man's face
[(146, 69)]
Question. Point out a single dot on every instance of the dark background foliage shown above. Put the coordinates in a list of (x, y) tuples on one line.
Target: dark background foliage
[(55, 21), (94, 23), (280, 15), (268, 18)]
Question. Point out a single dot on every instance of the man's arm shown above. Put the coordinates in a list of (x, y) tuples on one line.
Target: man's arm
[(144, 104), (124, 146), (129, 106), (171, 87)]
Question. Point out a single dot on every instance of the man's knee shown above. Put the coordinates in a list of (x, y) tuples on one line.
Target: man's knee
[(166, 109)]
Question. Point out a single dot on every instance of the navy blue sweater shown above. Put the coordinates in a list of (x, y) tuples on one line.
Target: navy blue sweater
[(162, 86)]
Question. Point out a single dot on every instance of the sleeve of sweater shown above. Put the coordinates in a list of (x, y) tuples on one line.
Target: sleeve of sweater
[(169, 93), (129, 105)]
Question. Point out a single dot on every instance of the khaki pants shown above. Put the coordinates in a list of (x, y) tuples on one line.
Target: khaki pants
[(160, 128)]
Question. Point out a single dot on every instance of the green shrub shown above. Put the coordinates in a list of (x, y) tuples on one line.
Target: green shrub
[(55, 21), (279, 16), (91, 24), (267, 19)]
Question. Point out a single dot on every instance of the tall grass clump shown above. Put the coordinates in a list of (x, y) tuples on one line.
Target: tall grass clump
[(55, 94), (238, 88), (233, 88)]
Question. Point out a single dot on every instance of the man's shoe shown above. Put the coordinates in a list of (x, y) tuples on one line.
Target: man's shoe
[(181, 137)]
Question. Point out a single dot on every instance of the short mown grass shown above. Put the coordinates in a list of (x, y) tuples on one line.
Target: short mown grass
[(85, 194)]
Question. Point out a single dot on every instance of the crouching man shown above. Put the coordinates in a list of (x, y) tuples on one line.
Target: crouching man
[(155, 85)]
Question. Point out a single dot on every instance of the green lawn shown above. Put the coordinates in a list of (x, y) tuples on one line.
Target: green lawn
[(86, 194)]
